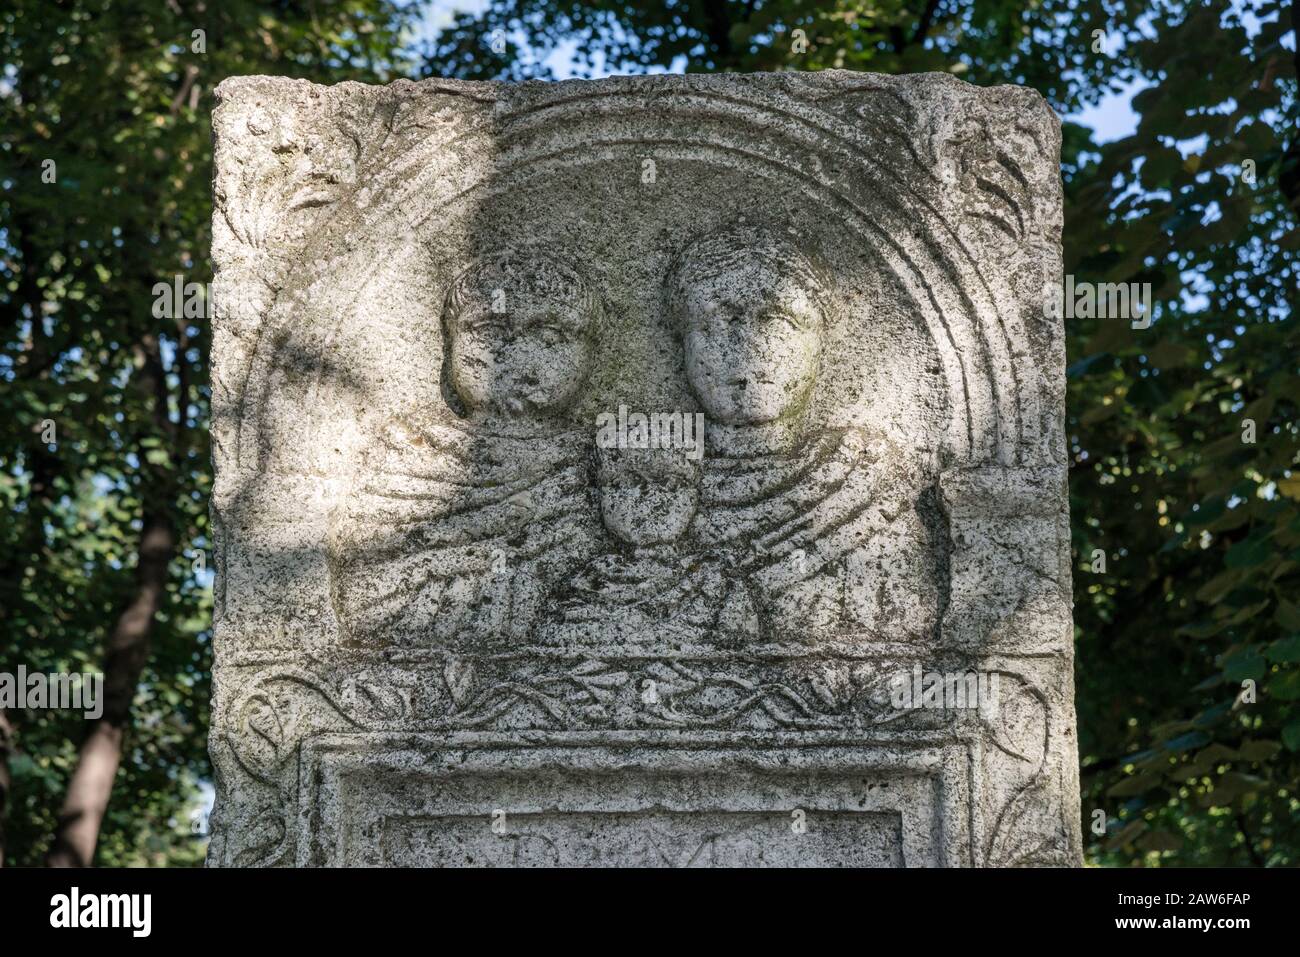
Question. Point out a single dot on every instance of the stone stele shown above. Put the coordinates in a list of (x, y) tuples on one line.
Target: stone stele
[(648, 471)]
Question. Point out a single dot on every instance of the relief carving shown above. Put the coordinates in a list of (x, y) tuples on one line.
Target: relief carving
[(445, 589), (453, 527)]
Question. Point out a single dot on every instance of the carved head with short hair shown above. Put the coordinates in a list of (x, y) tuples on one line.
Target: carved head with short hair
[(647, 496), (520, 331), (750, 307)]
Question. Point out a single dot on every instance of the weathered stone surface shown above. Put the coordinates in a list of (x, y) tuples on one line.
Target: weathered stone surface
[(463, 619)]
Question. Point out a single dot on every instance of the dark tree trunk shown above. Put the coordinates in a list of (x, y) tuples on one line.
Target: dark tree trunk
[(127, 652)]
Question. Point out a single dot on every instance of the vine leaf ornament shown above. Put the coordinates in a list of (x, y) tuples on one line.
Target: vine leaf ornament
[(268, 737), (458, 673), (375, 699), (1029, 828)]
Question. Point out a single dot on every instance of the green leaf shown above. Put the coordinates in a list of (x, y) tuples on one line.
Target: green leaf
[(1284, 649), (1249, 552), (1243, 665), (1286, 685), (1291, 735), (1135, 784), (1287, 615)]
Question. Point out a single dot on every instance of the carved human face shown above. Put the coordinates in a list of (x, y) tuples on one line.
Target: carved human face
[(518, 355), (753, 345), (647, 497)]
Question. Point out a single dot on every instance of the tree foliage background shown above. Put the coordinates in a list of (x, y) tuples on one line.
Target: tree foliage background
[(102, 533)]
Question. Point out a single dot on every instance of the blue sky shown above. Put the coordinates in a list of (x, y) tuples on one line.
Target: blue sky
[(1111, 119)]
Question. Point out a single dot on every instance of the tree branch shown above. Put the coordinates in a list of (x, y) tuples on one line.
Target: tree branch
[(1255, 858), (719, 28), (126, 652), (927, 21), (127, 648)]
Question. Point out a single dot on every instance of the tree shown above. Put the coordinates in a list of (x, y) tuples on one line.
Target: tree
[(106, 175), (1188, 645)]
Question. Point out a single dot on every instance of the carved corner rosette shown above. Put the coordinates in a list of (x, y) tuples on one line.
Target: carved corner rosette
[(289, 154), (256, 756), (987, 153)]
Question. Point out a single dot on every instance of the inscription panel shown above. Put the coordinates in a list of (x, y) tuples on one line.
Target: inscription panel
[(649, 839), (518, 806)]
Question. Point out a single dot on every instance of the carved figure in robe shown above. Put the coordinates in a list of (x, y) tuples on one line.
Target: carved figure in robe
[(817, 530), (648, 587), (457, 519)]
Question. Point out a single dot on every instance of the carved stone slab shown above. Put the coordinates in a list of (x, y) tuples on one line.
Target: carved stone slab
[(647, 471)]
